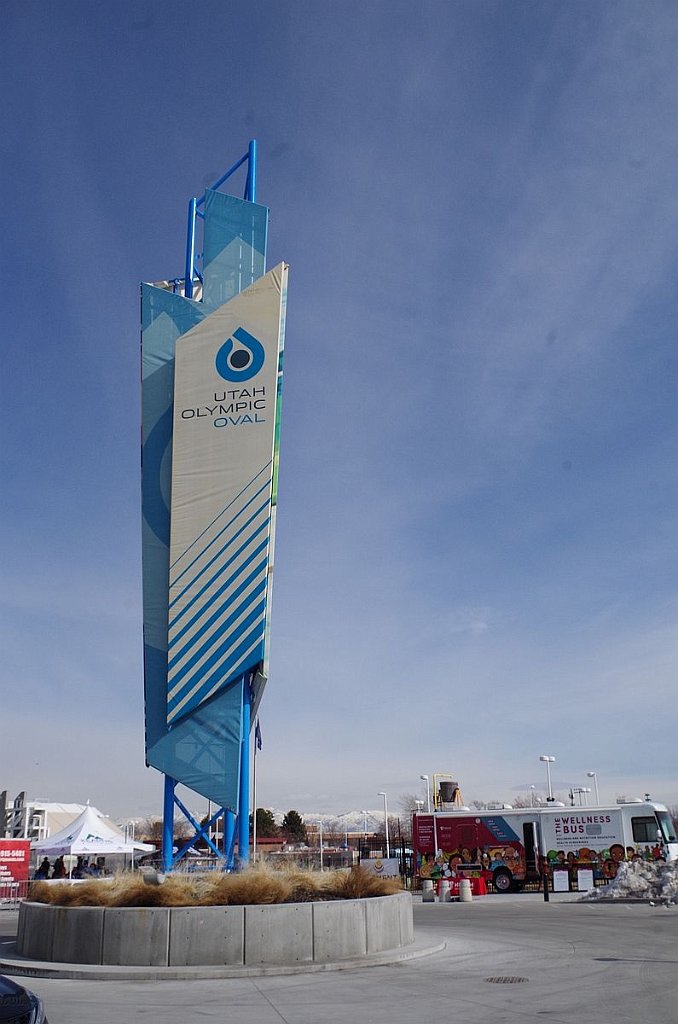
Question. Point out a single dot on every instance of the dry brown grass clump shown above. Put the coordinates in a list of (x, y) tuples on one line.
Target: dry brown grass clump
[(257, 885), (359, 884)]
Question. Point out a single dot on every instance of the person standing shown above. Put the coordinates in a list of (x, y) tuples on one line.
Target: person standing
[(42, 870), (59, 869)]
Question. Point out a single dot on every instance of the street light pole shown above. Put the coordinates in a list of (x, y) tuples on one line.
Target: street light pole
[(320, 826), (388, 847), (364, 814), (594, 776), (424, 778), (548, 760)]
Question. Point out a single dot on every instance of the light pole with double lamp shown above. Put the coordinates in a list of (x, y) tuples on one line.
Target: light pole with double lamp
[(594, 776), (388, 847), (548, 760)]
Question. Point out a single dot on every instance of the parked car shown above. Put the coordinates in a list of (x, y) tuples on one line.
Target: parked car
[(18, 1005)]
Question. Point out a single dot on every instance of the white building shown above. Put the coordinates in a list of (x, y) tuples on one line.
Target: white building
[(39, 819)]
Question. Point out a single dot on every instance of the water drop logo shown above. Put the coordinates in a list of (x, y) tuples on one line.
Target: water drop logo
[(241, 357)]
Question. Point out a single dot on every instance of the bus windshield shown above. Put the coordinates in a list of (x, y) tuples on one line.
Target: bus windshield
[(667, 827)]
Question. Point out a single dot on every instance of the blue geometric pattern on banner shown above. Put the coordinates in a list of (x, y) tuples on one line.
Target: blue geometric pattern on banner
[(235, 613), (262, 482), (219, 630), (165, 317), (209, 580), (236, 592), (154, 505), (203, 750), (234, 246), (501, 830), (207, 685)]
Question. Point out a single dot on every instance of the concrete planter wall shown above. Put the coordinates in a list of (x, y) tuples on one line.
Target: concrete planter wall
[(286, 933)]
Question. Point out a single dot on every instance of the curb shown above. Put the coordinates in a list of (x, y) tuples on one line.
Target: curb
[(647, 901), (97, 972)]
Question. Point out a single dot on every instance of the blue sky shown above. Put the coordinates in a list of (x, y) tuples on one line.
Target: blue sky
[(476, 547)]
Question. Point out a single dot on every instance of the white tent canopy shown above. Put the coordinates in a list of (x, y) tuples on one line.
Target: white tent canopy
[(89, 834)]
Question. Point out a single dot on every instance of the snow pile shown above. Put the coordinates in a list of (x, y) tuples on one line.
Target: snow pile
[(641, 880)]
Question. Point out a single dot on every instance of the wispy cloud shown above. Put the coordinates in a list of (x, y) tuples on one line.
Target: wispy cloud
[(475, 529)]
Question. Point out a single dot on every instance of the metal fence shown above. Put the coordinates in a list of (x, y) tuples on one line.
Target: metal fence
[(12, 892)]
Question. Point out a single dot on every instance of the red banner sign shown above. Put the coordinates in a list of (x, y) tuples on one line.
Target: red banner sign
[(14, 859)]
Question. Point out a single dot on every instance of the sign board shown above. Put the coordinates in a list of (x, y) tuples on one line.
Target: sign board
[(224, 453), (585, 879), (385, 868), (208, 638), (561, 880), (14, 860), (579, 829)]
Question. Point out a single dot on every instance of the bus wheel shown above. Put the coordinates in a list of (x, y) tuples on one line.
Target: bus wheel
[(502, 880)]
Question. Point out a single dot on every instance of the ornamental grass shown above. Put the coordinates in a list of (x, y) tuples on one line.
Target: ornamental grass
[(260, 884)]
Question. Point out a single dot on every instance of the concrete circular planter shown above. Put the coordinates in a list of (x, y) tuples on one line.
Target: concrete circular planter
[(283, 933)]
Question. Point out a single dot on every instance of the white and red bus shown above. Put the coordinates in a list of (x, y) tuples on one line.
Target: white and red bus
[(507, 847)]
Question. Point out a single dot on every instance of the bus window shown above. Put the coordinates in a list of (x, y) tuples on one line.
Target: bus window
[(644, 830), (667, 827)]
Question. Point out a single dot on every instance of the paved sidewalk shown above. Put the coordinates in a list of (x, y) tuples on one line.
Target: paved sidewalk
[(507, 959)]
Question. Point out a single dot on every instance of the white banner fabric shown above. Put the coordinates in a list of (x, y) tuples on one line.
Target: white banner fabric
[(225, 395)]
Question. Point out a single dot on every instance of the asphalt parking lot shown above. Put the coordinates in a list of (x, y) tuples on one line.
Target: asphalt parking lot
[(507, 959)]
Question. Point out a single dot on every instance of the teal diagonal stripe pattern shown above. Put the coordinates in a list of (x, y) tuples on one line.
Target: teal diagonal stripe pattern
[(218, 600)]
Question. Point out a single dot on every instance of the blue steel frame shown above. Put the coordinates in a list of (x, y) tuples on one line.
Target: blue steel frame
[(171, 800), (194, 212)]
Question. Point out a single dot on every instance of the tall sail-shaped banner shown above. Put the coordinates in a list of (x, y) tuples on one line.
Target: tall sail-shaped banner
[(210, 395), (223, 458)]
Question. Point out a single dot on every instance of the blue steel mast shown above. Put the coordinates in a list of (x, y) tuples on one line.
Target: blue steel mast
[(157, 734)]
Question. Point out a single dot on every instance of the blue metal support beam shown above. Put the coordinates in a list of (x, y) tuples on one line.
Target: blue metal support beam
[(251, 157), (244, 795), (168, 824), (229, 839), (251, 186), (224, 177), (201, 831), (190, 249)]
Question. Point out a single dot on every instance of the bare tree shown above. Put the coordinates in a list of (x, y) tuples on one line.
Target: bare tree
[(396, 828), (408, 803), (151, 829), (334, 832)]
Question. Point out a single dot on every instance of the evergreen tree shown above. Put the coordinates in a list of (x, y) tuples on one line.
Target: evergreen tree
[(266, 826), (293, 828)]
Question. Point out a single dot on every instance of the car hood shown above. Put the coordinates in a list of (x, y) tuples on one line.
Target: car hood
[(14, 999)]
